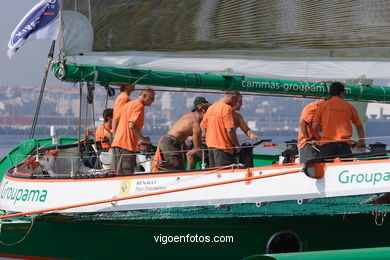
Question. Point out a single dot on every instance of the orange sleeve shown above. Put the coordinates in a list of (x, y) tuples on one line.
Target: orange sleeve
[(204, 121), (118, 106), (355, 117), (228, 118), (307, 114), (318, 113), (99, 133), (136, 114)]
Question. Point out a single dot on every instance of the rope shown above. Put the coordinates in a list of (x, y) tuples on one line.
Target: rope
[(23, 238), (273, 145)]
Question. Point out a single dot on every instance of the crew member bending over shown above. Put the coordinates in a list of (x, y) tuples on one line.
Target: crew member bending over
[(170, 154)]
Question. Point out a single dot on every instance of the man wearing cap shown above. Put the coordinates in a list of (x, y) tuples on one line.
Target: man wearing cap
[(197, 102), (129, 132), (102, 135), (220, 130), (170, 152), (120, 101)]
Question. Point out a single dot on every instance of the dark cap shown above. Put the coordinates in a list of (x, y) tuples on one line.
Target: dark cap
[(197, 101), (108, 112)]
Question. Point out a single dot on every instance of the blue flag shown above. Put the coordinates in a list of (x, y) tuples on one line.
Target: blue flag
[(41, 22)]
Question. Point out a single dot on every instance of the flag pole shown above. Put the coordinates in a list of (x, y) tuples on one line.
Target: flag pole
[(49, 59)]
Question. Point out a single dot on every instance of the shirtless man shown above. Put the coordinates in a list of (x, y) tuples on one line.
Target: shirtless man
[(239, 121), (170, 145)]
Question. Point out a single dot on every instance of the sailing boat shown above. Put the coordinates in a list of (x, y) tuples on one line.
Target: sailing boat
[(267, 208)]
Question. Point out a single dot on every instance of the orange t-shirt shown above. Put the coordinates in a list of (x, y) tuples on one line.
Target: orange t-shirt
[(307, 115), (102, 134), (335, 116), (124, 138), (120, 101), (218, 117)]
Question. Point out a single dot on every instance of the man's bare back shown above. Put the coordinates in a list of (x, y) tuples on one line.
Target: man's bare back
[(187, 125), (171, 144)]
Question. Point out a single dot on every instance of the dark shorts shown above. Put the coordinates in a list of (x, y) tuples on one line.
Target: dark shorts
[(307, 152), (172, 153), (123, 161), (220, 158), (336, 148)]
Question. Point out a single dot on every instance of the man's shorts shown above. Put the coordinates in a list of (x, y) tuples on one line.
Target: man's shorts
[(307, 152), (220, 158), (335, 148), (172, 153), (123, 161)]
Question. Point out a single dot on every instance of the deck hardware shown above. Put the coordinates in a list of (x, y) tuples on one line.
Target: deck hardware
[(114, 203), (248, 175), (379, 216), (71, 168)]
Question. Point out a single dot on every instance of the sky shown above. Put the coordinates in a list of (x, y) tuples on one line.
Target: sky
[(28, 64)]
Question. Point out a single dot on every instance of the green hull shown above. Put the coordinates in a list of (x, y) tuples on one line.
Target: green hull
[(381, 253), (134, 239)]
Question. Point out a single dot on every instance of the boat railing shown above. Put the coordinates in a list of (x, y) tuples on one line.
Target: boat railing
[(345, 157), (71, 161)]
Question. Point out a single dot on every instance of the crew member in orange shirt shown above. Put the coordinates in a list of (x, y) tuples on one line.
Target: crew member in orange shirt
[(104, 130), (220, 130), (129, 131), (120, 101), (333, 117), (307, 137), (240, 122)]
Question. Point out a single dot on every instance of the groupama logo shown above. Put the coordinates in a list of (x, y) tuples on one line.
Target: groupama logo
[(374, 178), (18, 194)]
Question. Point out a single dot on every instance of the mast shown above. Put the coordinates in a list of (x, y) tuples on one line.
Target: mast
[(38, 108), (117, 75)]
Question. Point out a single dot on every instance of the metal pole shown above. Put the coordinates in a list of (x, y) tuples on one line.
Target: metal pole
[(49, 59), (80, 108)]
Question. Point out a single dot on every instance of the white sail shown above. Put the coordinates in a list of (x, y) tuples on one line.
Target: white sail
[(307, 40)]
